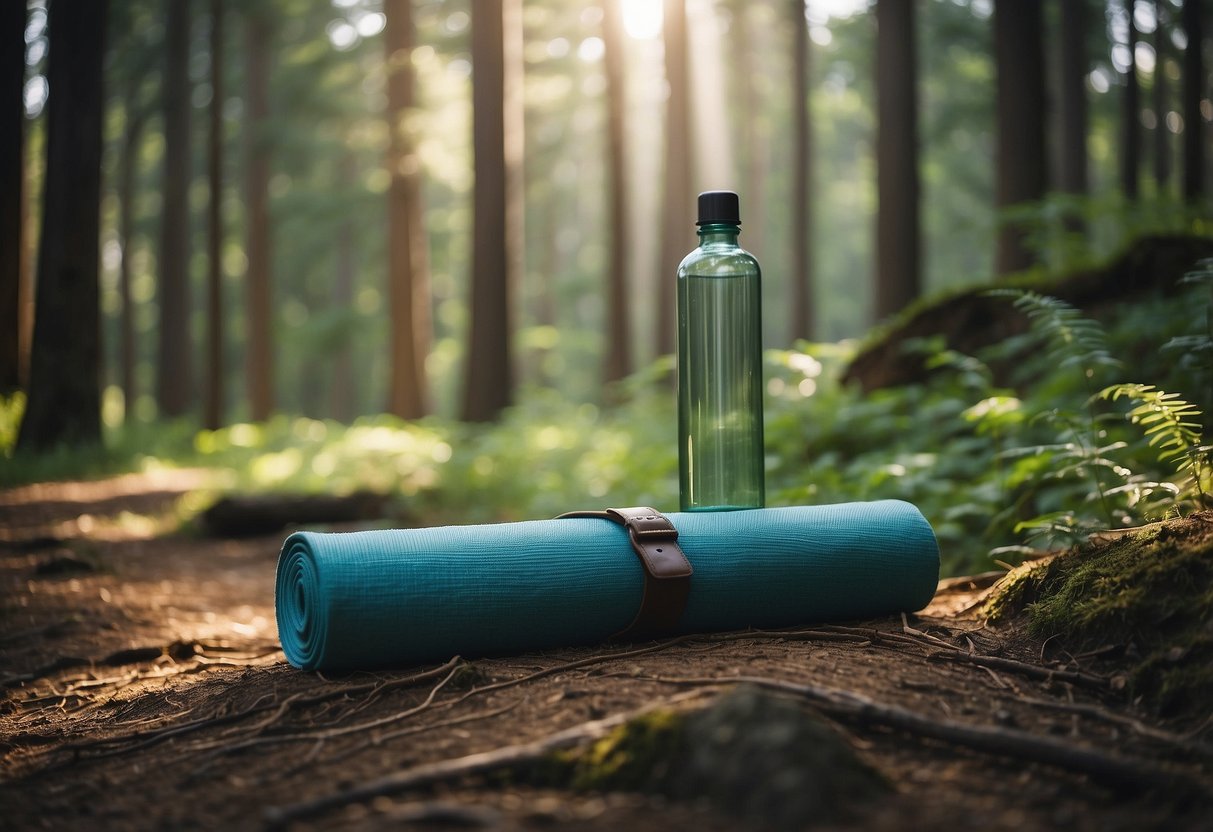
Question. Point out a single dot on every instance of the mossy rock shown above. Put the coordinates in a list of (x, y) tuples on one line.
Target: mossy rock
[(1149, 591), (762, 757), (969, 320)]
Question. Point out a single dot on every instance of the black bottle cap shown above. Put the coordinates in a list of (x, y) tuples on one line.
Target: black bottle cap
[(719, 206)]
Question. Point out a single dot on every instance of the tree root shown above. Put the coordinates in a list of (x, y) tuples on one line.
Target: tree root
[(1002, 742), (845, 706)]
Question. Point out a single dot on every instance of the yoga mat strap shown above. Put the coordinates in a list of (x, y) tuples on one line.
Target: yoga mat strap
[(667, 572)]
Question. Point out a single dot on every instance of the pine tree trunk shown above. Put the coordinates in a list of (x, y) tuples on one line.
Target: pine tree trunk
[(802, 278), (678, 212), (1130, 130), (1021, 137), (212, 416), (1193, 88), (751, 85), (1161, 96), (12, 160), (618, 347), (408, 257), (1072, 111), (64, 405), (174, 379), (897, 226), (259, 277), (342, 389), (497, 206), (127, 163)]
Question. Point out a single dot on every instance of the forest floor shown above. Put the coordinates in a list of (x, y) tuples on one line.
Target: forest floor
[(143, 688)]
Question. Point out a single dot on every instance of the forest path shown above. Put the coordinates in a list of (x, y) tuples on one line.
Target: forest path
[(143, 688)]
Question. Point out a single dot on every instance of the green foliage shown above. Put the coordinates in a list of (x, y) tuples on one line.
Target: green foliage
[(1073, 340), (1171, 426), (1067, 231), (12, 408)]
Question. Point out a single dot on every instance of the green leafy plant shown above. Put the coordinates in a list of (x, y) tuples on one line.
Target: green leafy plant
[(1172, 426), (1079, 450)]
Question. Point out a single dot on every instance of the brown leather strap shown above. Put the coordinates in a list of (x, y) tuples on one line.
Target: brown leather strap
[(667, 572)]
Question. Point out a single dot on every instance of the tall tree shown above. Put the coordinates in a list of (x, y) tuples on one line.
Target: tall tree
[(408, 257), (174, 385), (898, 233), (212, 411), (677, 200), (1072, 110), (64, 405), (1130, 129), (497, 205), (139, 108), (12, 126), (802, 279), (1019, 65), (748, 43), (618, 354), (1192, 92), (1161, 96), (342, 390), (259, 359)]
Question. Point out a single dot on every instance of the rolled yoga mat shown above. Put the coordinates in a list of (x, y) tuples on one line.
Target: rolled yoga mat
[(395, 598)]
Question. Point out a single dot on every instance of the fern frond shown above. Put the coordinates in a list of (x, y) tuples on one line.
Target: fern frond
[(1073, 339), (1171, 424)]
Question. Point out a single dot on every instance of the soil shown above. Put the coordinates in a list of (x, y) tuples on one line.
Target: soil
[(144, 689)]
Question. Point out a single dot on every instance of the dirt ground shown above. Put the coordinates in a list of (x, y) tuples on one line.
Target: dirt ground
[(143, 688)]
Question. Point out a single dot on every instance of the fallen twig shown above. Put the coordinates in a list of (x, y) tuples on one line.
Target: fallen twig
[(143, 739), (1048, 674), (942, 650), (332, 733), (453, 769)]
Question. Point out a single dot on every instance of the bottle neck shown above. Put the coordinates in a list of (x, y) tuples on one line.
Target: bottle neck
[(718, 232)]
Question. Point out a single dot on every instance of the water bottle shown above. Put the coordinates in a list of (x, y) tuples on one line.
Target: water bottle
[(720, 454)]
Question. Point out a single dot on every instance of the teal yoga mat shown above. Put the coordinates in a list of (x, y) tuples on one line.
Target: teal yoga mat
[(396, 598)]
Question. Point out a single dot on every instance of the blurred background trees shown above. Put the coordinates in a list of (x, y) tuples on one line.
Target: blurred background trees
[(417, 206)]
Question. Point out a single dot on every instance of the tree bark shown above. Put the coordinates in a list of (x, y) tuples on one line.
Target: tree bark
[(618, 348), (802, 278), (212, 417), (408, 257), (259, 277), (1193, 87), (678, 211), (342, 390), (751, 84), (12, 161), (1130, 130), (127, 163), (898, 235), (174, 382), (64, 405), (1161, 96), (1072, 112), (1019, 63), (497, 205)]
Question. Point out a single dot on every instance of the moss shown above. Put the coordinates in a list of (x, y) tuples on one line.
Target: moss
[(636, 756), (1150, 591), (1016, 591), (755, 754)]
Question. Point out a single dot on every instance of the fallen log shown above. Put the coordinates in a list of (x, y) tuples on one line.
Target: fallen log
[(247, 515)]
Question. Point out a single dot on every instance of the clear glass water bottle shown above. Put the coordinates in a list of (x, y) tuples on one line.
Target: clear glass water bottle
[(720, 451)]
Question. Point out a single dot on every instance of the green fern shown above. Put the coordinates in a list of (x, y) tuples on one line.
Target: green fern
[(1074, 340), (1173, 426)]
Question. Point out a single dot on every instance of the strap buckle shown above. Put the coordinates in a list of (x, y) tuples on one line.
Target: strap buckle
[(667, 572)]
